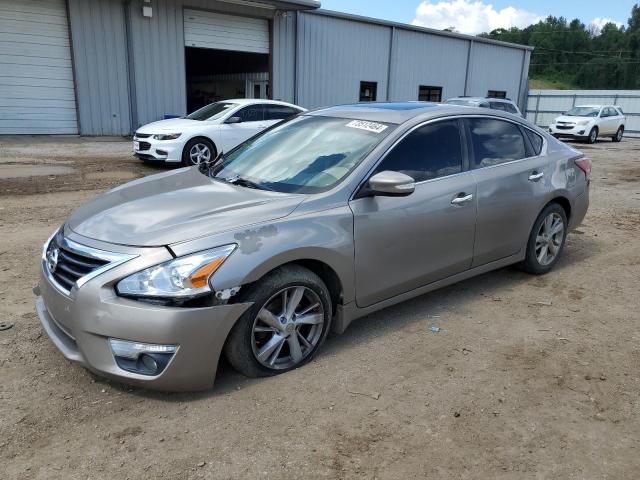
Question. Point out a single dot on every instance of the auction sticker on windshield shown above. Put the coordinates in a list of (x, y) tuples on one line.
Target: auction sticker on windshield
[(368, 126)]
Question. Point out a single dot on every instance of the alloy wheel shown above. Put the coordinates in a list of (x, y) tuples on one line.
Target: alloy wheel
[(287, 328), (549, 239), (619, 134), (593, 136), (199, 153)]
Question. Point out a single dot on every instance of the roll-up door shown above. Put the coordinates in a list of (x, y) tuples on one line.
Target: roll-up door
[(36, 77), (225, 32)]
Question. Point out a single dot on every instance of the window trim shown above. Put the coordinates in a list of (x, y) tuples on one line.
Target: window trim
[(465, 151)]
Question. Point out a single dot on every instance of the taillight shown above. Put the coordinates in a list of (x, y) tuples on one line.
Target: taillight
[(584, 164)]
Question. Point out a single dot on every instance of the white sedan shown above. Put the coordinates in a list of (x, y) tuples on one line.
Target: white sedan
[(215, 128), (589, 122)]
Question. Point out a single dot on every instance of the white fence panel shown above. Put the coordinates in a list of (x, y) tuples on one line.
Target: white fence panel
[(543, 106)]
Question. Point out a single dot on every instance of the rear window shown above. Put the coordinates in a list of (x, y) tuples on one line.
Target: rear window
[(495, 142)]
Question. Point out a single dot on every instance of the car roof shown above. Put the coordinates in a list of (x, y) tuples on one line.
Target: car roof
[(592, 106), (401, 112), (251, 101)]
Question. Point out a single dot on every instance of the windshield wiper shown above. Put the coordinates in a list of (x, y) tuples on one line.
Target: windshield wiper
[(245, 182)]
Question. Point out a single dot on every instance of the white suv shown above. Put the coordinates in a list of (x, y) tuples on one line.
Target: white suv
[(588, 122)]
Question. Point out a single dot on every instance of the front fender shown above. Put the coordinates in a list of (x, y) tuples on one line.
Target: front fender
[(325, 236)]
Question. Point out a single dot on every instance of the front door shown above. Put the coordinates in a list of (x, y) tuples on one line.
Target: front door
[(402, 243), (251, 122), (513, 184)]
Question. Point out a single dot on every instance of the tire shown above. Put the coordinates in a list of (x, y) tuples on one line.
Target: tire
[(204, 145), (248, 350), (593, 135), (535, 263), (618, 136)]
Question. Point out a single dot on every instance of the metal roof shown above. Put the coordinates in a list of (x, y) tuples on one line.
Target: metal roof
[(406, 26)]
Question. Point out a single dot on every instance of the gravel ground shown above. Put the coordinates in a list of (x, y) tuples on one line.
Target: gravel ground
[(531, 377)]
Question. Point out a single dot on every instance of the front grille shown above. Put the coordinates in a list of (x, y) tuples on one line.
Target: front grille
[(142, 135), (564, 127), (67, 266), (145, 146)]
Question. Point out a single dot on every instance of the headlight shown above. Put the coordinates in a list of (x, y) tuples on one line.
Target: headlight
[(582, 123), (166, 136), (183, 277)]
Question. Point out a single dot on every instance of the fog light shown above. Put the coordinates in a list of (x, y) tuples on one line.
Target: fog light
[(162, 152), (142, 358)]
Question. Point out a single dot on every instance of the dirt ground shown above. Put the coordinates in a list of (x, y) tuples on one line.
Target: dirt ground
[(531, 377)]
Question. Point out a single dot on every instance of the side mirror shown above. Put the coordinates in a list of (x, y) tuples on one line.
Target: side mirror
[(231, 120), (391, 184)]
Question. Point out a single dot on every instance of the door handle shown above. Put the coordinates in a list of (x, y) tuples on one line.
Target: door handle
[(535, 176), (461, 199)]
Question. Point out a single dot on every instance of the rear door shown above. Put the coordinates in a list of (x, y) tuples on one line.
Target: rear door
[(513, 183), (274, 113), (402, 243)]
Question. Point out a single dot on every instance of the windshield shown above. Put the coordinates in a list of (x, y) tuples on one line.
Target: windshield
[(308, 154), (583, 112), (212, 111)]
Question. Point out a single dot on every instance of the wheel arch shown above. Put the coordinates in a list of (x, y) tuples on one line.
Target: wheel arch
[(321, 268), (199, 136)]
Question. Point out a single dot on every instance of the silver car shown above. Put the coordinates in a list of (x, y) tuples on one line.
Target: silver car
[(317, 221)]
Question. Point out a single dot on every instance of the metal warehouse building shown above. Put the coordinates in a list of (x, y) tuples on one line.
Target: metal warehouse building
[(104, 67)]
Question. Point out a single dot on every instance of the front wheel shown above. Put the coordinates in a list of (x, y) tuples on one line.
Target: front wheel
[(198, 151), (618, 136), (546, 240), (285, 326), (593, 135)]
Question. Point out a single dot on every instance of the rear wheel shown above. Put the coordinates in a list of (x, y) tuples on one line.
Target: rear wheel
[(198, 151), (593, 135), (618, 136), (285, 326), (546, 240)]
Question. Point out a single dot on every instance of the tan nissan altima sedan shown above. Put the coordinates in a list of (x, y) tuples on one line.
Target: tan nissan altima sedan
[(319, 220)]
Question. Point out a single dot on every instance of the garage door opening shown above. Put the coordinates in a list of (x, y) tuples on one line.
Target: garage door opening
[(227, 56), (214, 75)]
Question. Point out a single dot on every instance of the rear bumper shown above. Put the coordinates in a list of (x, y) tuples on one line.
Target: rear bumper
[(81, 324), (579, 208)]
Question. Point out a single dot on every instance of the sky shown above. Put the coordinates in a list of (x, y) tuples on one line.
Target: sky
[(476, 16)]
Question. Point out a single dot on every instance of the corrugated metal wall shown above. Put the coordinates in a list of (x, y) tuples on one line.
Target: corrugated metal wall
[(334, 55), (430, 60), (494, 67), (100, 55), (319, 58), (284, 57)]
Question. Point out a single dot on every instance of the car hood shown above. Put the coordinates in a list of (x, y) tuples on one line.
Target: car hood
[(174, 207), (172, 125), (570, 119)]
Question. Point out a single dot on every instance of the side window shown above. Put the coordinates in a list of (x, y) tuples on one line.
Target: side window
[(496, 94), (535, 139), (278, 112), (495, 142), (497, 106), (252, 113), (432, 151)]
